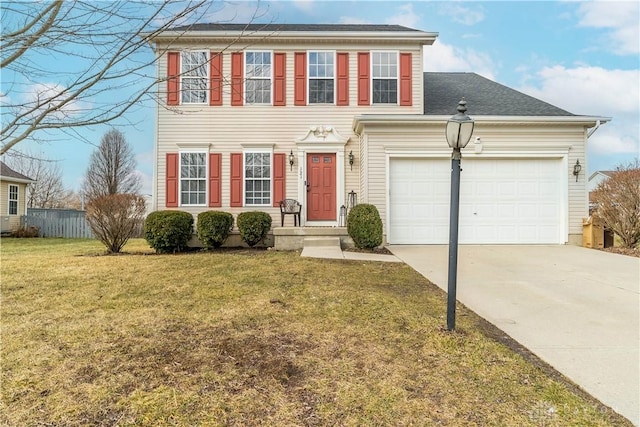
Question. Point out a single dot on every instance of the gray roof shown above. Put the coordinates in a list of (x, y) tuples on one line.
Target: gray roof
[(443, 91), (7, 172), (292, 27)]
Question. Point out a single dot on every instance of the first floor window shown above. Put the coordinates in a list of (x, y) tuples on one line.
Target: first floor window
[(193, 178), (321, 77), (384, 73), (13, 200), (194, 77), (257, 178), (258, 77)]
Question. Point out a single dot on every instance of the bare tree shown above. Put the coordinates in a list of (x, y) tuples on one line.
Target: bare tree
[(48, 191), (105, 46), (112, 168), (617, 203)]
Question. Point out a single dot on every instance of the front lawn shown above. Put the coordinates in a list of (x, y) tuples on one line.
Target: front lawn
[(249, 338)]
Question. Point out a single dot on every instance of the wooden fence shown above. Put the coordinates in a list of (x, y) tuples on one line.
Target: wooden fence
[(66, 223)]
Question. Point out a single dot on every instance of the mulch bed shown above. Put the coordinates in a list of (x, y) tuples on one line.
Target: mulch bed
[(635, 252)]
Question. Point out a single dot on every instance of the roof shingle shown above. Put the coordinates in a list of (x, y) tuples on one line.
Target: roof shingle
[(292, 27), (7, 172), (442, 91)]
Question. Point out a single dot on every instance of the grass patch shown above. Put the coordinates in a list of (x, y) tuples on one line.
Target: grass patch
[(252, 337)]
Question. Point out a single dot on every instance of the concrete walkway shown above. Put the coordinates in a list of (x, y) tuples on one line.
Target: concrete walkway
[(334, 252), (575, 308)]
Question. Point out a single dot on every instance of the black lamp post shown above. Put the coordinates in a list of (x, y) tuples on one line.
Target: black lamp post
[(459, 130)]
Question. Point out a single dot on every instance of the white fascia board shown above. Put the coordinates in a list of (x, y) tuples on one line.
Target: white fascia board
[(10, 180), (370, 119), (420, 37)]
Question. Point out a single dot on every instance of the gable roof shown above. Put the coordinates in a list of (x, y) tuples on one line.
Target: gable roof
[(11, 175), (291, 27), (605, 173), (443, 91)]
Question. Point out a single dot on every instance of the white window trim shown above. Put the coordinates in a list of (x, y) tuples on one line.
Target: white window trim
[(246, 79), (208, 77), (17, 199), (206, 175), (335, 76), (244, 171), (397, 53)]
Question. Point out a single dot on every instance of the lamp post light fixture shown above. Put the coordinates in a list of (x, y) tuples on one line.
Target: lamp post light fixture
[(576, 169), (291, 159), (458, 132)]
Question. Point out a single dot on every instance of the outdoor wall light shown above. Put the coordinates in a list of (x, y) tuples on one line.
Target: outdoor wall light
[(576, 169), (351, 158), (458, 132), (291, 159)]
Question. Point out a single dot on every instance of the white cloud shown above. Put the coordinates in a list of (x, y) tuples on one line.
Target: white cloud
[(304, 5), (444, 57), (405, 16), (621, 17), (42, 96), (599, 92), (464, 15)]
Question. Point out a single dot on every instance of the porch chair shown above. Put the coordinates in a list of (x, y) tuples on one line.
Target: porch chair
[(290, 207)]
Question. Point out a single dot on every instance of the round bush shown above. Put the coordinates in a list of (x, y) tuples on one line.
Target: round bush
[(214, 228), (365, 226), (168, 231), (253, 226)]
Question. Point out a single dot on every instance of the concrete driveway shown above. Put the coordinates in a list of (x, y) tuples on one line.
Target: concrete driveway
[(575, 308)]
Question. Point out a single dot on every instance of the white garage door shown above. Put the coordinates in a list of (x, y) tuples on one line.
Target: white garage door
[(502, 201)]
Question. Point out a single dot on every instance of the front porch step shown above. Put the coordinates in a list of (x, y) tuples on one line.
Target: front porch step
[(324, 241)]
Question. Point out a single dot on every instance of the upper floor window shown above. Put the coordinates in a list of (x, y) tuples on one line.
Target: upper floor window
[(193, 178), (194, 77), (258, 77), (257, 178), (13, 199), (384, 68), (321, 77)]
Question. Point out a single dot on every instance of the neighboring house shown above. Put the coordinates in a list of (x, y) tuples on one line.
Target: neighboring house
[(13, 197), (596, 178), (252, 114)]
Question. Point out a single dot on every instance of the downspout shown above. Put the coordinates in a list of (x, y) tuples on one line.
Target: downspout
[(595, 128)]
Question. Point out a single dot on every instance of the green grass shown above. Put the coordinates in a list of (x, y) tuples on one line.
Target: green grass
[(253, 337)]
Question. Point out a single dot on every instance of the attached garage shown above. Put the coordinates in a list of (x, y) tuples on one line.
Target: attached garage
[(502, 201)]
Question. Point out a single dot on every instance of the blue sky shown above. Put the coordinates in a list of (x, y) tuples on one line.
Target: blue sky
[(581, 56)]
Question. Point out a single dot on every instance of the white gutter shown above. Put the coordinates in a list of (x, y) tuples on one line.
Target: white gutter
[(370, 36), (418, 119)]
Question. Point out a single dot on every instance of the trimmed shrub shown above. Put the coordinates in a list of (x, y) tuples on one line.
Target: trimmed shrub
[(214, 228), (26, 231), (253, 226), (168, 231), (115, 218), (365, 226)]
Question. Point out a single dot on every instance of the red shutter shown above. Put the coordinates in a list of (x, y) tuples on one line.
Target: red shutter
[(172, 180), (237, 75), (173, 70), (215, 66), (236, 180), (279, 82), (215, 180), (300, 82), (343, 78), (364, 83), (405, 79), (279, 175)]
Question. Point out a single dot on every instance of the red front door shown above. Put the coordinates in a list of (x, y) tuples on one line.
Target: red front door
[(321, 187)]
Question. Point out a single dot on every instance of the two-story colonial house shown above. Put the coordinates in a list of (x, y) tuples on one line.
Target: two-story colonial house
[(252, 114)]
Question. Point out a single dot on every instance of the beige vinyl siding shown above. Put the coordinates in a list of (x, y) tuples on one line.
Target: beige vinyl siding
[(226, 128), (14, 220), (530, 141)]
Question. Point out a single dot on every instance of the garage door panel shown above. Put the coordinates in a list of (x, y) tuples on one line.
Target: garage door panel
[(501, 201)]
